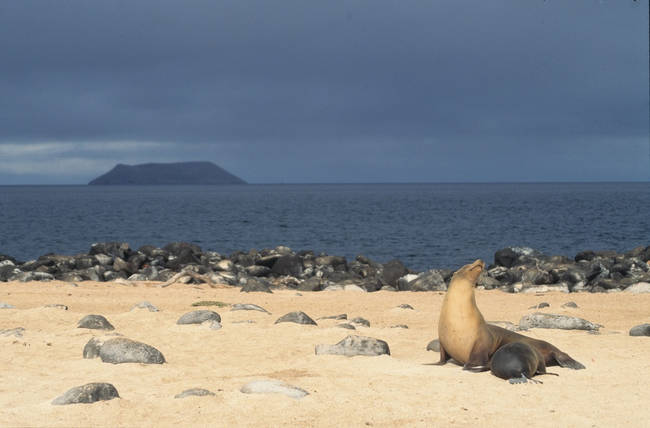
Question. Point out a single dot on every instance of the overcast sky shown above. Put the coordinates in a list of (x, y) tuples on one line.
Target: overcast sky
[(329, 91)]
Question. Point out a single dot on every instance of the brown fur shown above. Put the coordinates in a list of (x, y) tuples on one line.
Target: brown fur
[(467, 338)]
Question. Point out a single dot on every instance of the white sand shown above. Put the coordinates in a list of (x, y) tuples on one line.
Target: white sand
[(401, 389)]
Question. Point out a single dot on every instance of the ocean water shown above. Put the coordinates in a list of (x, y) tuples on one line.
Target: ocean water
[(424, 225)]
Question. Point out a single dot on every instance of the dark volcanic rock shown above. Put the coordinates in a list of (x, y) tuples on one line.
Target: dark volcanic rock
[(88, 393), (640, 330), (167, 173), (288, 265), (258, 270), (360, 321), (570, 305), (97, 322), (355, 345), (311, 284), (256, 284), (194, 392), (346, 326), (393, 270), (198, 317), (122, 350), (114, 249), (296, 317)]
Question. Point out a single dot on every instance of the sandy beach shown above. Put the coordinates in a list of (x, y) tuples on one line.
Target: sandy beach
[(402, 389)]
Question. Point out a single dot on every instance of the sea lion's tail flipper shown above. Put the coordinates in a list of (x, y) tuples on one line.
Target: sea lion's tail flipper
[(564, 360)]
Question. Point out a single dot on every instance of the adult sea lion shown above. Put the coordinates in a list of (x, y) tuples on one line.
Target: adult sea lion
[(467, 338)]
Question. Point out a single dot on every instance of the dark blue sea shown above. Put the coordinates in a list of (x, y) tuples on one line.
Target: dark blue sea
[(424, 225)]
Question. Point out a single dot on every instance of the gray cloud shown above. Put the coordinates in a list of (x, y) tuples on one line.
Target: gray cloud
[(333, 91)]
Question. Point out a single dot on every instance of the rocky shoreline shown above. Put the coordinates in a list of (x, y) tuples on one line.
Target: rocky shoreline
[(514, 269)]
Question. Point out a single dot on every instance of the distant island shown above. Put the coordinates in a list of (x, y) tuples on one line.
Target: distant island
[(167, 173)]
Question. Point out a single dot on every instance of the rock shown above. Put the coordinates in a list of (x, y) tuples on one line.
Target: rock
[(88, 393), (104, 259), (393, 270), (360, 321), (346, 326), (335, 317), (145, 305), (197, 392), (288, 265), (533, 289), (258, 270), (8, 272), (273, 387), (515, 256), (255, 284), (355, 345), (405, 306), (122, 350), (6, 306), (311, 284), (331, 261), (16, 332), (399, 326), (585, 255), (403, 282), (640, 287), (248, 307), (540, 306), (570, 305), (212, 324), (296, 317), (542, 320), (224, 265), (640, 330), (431, 280), (434, 345), (57, 306), (198, 317), (113, 249), (97, 322), (92, 347)]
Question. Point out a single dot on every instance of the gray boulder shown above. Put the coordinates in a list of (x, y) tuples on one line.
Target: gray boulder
[(88, 393), (256, 284), (542, 320), (122, 350), (96, 322), (360, 321), (355, 345), (198, 317), (297, 317), (431, 280), (640, 330)]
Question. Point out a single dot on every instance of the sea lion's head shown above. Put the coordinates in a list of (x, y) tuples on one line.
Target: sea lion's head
[(470, 272)]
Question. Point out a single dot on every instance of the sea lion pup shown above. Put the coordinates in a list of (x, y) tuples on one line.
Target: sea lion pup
[(467, 338), (518, 362)]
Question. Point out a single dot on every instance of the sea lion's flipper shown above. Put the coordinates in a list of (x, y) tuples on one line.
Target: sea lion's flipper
[(444, 357), (514, 380), (523, 379), (564, 360)]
